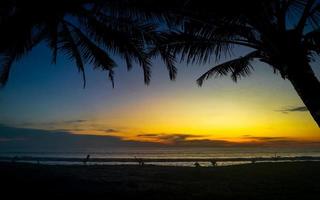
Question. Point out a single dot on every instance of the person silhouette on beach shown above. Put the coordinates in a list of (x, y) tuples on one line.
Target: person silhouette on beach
[(14, 159), (213, 163), (87, 159), (196, 164), (140, 161)]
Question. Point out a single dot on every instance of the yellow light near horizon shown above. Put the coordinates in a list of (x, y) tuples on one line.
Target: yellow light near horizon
[(227, 120), (229, 114)]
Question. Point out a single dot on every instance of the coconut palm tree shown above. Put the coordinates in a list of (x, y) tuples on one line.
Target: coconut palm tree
[(282, 33), (285, 34), (87, 31)]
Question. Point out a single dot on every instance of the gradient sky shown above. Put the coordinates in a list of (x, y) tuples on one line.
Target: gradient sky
[(43, 96)]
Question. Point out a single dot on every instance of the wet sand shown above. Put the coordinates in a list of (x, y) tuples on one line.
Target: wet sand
[(288, 180)]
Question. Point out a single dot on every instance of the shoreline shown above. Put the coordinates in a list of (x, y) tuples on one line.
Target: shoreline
[(155, 161)]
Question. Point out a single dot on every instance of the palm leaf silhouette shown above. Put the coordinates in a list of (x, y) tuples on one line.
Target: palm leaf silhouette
[(71, 50), (86, 31), (283, 34), (239, 67)]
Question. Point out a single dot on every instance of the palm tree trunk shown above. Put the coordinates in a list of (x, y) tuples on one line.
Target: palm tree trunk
[(308, 88)]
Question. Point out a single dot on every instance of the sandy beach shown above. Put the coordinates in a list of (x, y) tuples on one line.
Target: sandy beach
[(290, 180)]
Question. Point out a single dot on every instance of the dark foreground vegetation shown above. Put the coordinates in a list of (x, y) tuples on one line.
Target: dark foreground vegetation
[(295, 180)]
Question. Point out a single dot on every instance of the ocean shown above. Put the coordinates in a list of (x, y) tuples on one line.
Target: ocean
[(168, 153)]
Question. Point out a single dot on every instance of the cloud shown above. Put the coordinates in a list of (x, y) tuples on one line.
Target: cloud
[(173, 138), (186, 140), (293, 109), (27, 139), (264, 139), (35, 140), (190, 140), (111, 130), (53, 124), (75, 121), (278, 141)]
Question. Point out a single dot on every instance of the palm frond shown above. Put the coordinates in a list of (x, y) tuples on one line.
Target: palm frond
[(53, 36), (167, 56), (196, 48), (127, 40), (6, 63), (111, 77), (239, 67), (69, 46), (156, 11), (17, 48), (169, 60), (93, 54)]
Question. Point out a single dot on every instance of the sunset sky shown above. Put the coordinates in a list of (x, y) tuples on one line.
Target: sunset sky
[(43, 96)]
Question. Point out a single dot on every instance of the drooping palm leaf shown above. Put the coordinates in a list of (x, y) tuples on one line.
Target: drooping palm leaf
[(124, 37), (112, 27), (239, 67), (160, 48), (93, 54), (199, 49), (6, 63), (69, 46)]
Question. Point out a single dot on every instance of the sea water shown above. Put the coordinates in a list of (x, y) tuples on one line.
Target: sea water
[(172, 153)]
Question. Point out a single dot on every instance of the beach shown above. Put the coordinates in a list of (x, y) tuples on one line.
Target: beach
[(282, 180)]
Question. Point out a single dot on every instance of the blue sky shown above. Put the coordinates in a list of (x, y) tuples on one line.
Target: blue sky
[(42, 95)]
